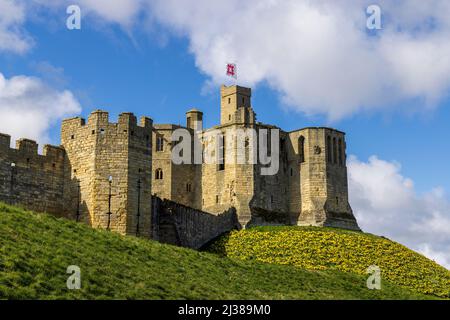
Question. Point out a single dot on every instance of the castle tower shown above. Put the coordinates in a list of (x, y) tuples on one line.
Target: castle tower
[(109, 165), (319, 188), (235, 105), (194, 120)]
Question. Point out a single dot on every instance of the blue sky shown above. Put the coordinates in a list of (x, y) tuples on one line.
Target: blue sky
[(107, 70), (309, 64)]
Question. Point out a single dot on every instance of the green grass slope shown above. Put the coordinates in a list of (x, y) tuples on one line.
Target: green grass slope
[(315, 248), (36, 250)]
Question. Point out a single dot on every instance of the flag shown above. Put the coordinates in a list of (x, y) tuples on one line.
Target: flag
[(231, 70)]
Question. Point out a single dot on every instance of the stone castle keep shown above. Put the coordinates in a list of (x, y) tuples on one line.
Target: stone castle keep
[(104, 174)]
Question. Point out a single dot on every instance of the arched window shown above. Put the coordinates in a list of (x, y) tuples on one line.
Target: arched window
[(159, 143), (158, 174), (334, 150), (340, 152), (329, 149), (301, 149)]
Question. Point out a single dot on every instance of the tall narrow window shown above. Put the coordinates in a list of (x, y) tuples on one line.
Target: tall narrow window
[(221, 155), (340, 152), (334, 150), (329, 150), (158, 174), (159, 143), (301, 149)]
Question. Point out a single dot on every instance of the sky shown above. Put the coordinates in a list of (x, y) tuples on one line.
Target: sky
[(309, 63)]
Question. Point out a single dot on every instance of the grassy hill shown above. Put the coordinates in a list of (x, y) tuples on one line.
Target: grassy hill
[(315, 248), (36, 250)]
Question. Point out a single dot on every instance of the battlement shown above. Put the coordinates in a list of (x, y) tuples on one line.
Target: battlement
[(100, 118), (328, 129), (99, 125), (227, 91), (29, 148), (5, 141)]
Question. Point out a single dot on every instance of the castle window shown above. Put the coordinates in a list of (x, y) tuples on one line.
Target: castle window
[(217, 199), (243, 100), (334, 150), (72, 137), (329, 149), (301, 149), (229, 117), (93, 131), (229, 100), (159, 143), (292, 172), (271, 199), (188, 187), (159, 174), (221, 155), (340, 152)]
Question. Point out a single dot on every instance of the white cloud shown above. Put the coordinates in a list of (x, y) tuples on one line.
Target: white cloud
[(317, 54), (386, 203), (29, 107), (12, 36)]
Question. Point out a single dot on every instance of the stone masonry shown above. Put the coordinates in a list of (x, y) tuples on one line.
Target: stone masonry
[(310, 187), (104, 174)]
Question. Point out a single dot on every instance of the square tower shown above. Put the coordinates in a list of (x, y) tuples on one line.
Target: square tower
[(108, 171), (235, 105)]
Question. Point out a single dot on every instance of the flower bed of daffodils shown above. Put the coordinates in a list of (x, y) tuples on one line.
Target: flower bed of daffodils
[(326, 248)]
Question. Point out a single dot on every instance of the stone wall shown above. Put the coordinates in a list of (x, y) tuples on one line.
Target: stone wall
[(112, 163), (31, 180), (322, 188), (184, 226)]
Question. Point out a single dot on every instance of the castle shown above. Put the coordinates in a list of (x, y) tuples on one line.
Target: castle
[(105, 174)]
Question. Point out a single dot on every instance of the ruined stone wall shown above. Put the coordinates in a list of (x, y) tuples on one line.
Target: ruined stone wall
[(31, 180), (188, 227)]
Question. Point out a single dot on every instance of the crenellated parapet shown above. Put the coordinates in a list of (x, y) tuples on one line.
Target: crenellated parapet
[(31, 179), (112, 163)]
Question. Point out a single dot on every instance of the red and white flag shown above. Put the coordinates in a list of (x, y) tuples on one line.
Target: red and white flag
[(231, 70)]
